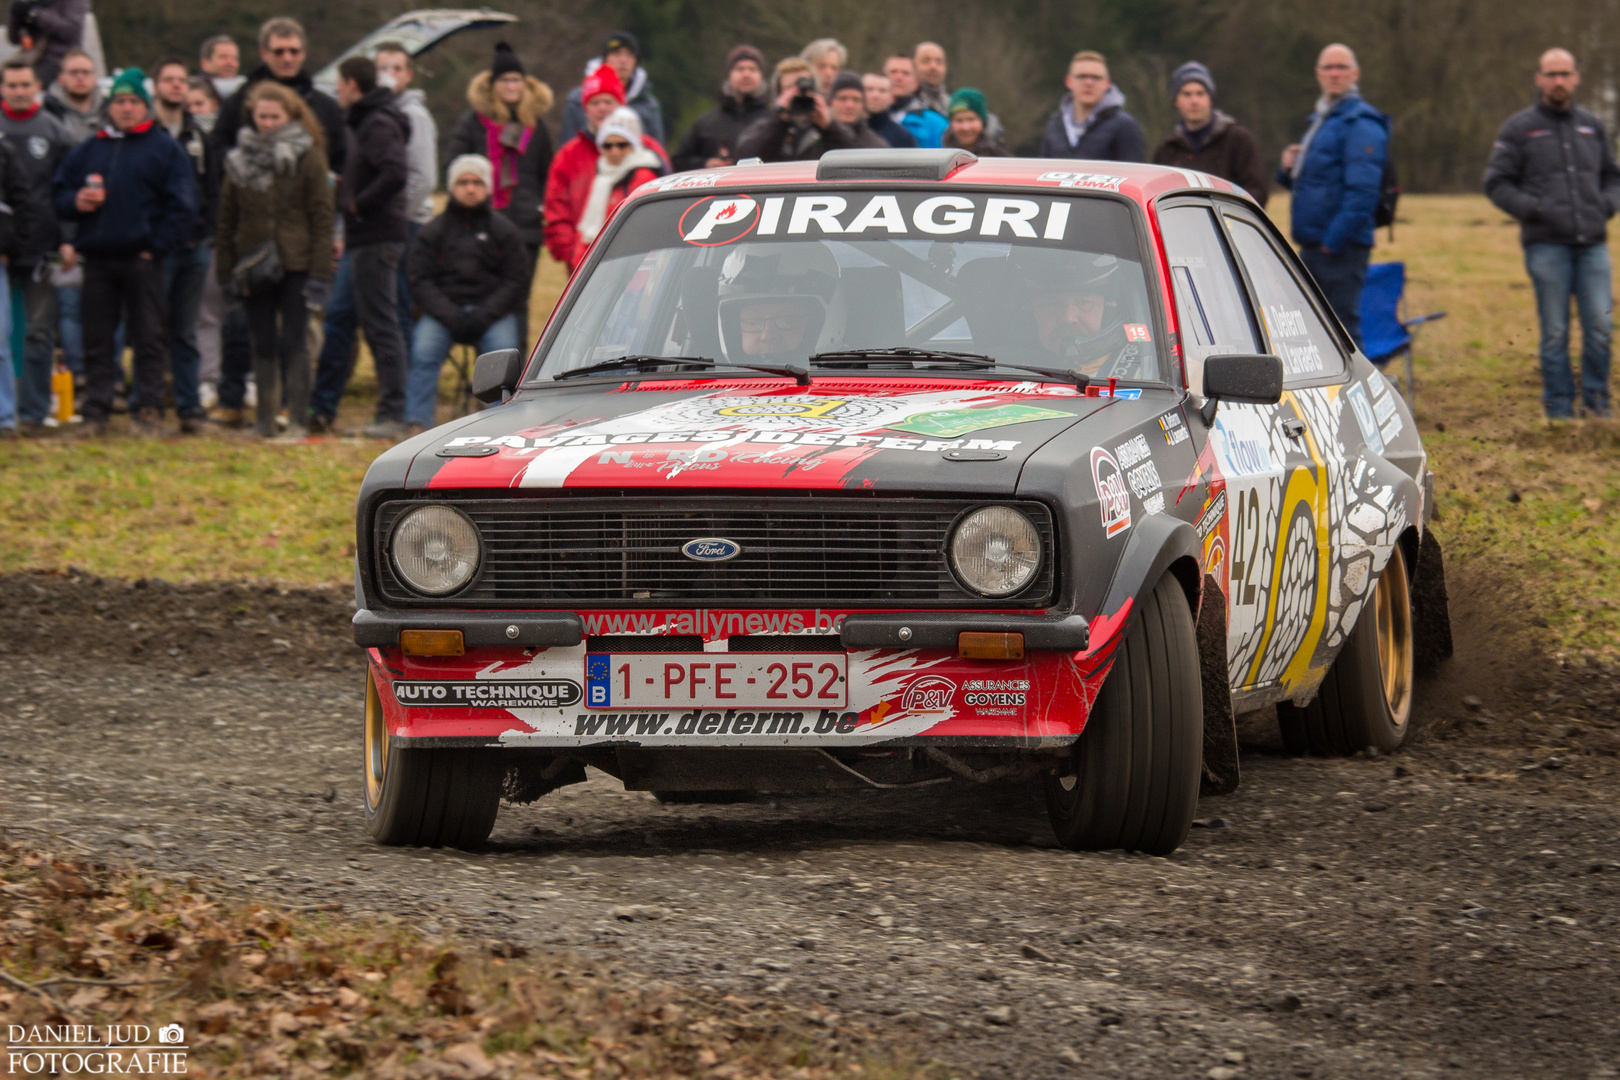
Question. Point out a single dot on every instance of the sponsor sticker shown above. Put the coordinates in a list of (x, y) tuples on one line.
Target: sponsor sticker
[(1113, 496), (1154, 504), (1214, 511), (683, 181), (1365, 418), (1137, 332), (1131, 451), (1144, 480), (718, 220), (1174, 431), (949, 423), (1095, 181), (488, 694), (929, 694)]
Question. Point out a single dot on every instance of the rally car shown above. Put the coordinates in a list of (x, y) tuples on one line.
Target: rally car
[(897, 468)]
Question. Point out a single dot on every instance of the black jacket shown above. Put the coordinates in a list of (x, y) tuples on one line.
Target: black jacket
[(39, 144), (1554, 170), (467, 257), (206, 160), (55, 25), (1227, 150), (323, 105), (484, 119), (18, 221), (890, 131), (151, 203), (1112, 135), (715, 133), (775, 137), (372, 191)]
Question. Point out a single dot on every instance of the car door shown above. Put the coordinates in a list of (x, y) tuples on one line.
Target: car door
[(1241, 469), (1283, 513)]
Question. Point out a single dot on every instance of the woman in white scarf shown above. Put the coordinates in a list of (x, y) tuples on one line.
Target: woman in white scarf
[(624, 165)]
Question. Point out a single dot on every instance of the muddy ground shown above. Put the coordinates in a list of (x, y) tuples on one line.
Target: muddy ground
[(1450, 911)]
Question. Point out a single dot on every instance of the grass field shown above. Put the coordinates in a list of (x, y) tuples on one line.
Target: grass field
[(1527, 512)]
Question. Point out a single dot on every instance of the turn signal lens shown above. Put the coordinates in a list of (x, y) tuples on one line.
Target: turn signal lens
[(977, 646), (432, 642)]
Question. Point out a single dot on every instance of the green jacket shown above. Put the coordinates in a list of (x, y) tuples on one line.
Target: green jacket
[(297, 208)]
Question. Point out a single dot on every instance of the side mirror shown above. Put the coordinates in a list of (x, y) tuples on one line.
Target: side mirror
[(496, 373), (1251, 379)]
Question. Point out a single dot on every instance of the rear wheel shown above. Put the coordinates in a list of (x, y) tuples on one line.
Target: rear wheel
[(426, 797), (1136, 767), (1366, 698)]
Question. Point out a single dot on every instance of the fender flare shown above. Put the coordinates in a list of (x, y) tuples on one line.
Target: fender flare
[(1402, 518), (1157, 545)]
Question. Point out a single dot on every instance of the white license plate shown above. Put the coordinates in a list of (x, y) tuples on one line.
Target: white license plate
[(716, 680)]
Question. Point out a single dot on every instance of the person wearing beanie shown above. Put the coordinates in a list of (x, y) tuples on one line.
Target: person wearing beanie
[(710, 142), (802, 127), (131, 196), (621, 51), (847, 106), (625, 165), (1207, 139), (504, 124), (577, 170), (969, 116), (469, 273)]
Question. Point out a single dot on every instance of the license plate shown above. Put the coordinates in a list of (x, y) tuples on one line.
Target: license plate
[(715, 680)]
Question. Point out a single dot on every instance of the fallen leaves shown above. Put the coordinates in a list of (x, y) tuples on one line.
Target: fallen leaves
[(264, 990)]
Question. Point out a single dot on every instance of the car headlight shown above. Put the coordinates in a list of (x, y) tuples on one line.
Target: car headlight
[(435, 549), (996, 551)]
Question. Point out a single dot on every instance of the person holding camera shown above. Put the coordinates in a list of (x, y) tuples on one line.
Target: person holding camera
[(274, 242), (803, 127), (46, 30)]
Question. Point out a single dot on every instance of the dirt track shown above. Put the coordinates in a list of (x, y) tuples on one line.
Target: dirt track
[(1451, 911)]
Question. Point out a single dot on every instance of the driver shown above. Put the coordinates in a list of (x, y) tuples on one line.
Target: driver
[(1074, 310), (774, 300)]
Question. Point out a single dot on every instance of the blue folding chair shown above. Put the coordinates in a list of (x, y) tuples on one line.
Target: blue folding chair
[(1385, 335)]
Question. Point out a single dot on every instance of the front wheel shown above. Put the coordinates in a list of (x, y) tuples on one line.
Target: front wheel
[(426, 797), (1133, 781), (1366, 698)]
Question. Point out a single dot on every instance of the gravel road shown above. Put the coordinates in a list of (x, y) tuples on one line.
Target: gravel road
[(1451, 911)]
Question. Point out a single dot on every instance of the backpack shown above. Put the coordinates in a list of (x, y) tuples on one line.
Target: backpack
[(1389, 193)]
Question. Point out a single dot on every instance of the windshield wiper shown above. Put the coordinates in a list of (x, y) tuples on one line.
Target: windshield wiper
[(643, 362), (901, 353), (972, 360)]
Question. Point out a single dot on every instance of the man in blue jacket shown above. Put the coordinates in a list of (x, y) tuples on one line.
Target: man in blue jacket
[(1336, 173), (130, 191)]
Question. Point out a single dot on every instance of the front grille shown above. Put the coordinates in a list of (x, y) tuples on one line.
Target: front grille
[(627, 551)]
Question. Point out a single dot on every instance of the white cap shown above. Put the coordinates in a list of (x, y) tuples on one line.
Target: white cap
[(477, 164), (622, 122)]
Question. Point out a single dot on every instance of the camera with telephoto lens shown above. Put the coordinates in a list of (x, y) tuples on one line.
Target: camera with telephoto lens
[(804, 102)]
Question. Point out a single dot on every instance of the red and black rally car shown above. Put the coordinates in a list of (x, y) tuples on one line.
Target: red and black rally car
[(895, 467)]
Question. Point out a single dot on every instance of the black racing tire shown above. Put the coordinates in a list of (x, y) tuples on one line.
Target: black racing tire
[(427, 796), (1137, 764), (1366, 698)]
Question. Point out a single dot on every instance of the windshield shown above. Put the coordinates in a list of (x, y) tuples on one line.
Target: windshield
[(813, 277)]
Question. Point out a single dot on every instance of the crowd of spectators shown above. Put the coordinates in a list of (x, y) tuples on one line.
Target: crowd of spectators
[(202, 219)]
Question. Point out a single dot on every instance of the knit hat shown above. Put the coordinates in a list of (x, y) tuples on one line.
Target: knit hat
[(621, 39), (622, 122), (1191, 71), (506, 62), (846, 80), (130, 81), (604, 80), (971, 100), (477, 164), (745, 52)]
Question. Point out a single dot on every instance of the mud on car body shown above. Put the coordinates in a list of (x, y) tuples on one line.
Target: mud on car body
[(893, 468)]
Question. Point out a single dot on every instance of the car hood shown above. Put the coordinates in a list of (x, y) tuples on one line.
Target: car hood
[(958, 435)]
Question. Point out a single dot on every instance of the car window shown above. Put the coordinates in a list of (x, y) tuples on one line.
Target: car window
[(1309, 352), (1211, 307), (1052, 281)]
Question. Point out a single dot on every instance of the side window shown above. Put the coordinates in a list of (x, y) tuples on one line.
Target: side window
[(1307, 349), (1211, 308)]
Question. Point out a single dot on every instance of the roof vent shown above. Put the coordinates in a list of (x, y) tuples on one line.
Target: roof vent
[(902, 164)]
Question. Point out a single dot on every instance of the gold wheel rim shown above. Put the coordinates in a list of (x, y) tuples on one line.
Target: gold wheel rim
[(376, 744), (1392, 605)]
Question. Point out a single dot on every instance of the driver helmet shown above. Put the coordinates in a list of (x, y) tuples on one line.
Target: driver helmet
[(1036, 271), (804, 275)]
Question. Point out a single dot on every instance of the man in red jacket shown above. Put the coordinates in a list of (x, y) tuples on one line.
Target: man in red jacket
[(568, 185)]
